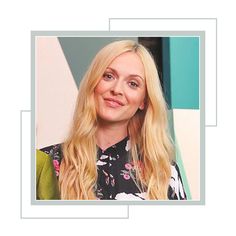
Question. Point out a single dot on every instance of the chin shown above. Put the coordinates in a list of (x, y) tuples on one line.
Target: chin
[(110, 118)]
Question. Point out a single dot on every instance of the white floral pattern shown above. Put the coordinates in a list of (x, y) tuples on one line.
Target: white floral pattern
[(117, 176)]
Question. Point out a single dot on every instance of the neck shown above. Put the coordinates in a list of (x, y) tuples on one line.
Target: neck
[(110, 134)]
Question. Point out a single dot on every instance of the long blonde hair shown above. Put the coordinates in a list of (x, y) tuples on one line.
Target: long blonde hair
[(153, 146)]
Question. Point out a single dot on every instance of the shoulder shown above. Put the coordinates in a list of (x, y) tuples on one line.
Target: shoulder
[(54, 151), (175, 172), (56, 154), (176, 188)]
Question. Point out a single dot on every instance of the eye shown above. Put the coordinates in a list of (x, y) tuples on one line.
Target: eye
[(133, 84), (108, 76)]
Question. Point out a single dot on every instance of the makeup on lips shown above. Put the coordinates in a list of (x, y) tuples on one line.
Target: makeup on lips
[(114, 103)]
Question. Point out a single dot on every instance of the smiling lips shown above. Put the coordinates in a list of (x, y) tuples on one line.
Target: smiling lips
[(111, 102)]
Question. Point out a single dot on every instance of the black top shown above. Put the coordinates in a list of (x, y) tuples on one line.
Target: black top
[(116, 174)]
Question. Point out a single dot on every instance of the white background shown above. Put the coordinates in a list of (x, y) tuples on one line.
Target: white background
[(17, 19)]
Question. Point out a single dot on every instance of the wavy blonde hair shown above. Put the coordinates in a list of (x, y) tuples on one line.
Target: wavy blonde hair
[(153, 146)]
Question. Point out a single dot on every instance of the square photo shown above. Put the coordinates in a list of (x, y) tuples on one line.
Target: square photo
[(118, 116)]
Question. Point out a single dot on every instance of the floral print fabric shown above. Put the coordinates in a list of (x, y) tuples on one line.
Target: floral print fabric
[(116, 174)]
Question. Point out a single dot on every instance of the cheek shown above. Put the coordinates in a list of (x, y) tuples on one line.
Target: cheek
[(97, 89), (136, 99), (100, 88)]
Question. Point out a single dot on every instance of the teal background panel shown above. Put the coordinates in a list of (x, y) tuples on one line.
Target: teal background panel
[(80, 51), (181, 72), (166, 71)]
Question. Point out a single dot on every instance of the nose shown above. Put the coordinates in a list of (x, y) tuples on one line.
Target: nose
[(117, 88)]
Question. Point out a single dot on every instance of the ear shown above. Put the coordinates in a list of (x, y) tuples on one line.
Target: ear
[(142, 105)]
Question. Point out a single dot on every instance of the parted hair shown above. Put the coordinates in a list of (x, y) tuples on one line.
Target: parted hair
[(148, 131)]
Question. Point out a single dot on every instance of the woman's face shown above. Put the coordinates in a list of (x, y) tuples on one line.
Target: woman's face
[(121, 90)]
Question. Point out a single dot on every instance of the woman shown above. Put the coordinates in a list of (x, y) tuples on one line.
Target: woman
[(119, 146)]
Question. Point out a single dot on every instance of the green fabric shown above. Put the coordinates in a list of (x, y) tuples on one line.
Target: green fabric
[(46, 180)]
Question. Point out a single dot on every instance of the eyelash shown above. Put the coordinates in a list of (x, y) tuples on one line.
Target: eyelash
[(109, 76), (133, 84)]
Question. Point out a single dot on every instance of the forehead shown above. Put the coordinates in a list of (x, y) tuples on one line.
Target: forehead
[(128, 62)]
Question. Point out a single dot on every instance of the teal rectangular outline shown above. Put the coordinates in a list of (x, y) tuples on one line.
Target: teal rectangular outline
[(200, 34)]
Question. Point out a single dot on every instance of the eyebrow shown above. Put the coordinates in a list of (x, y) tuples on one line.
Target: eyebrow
[(132, 75)]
